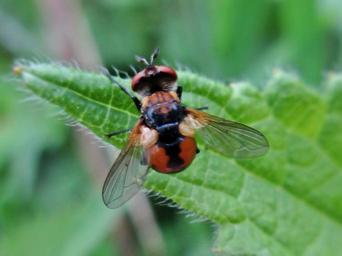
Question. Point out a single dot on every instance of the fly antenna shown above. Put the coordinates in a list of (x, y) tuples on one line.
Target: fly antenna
[(142, 60), (154, 55)]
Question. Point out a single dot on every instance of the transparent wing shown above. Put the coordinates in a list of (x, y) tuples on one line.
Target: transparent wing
[(229, 138), (126, 175)]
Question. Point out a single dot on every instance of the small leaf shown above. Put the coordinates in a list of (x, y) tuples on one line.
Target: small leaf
[(285, 203)]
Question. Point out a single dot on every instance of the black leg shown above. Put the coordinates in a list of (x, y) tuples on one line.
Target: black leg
[(111, 134), (202, 108), (179, 92), (135, 99)]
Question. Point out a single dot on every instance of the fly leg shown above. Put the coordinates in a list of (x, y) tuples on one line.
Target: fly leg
[(111, 134), (179, 92), (202, 108), (135, 99), (143, 160)]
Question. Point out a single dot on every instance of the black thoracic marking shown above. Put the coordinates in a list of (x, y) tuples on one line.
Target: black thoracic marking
[(153, 118)]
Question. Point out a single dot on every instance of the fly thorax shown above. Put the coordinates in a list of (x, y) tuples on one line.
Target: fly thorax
[(163, 113)]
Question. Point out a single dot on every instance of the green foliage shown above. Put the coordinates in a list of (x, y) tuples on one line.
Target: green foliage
[(225, 39), (74, 229), (285, 203)]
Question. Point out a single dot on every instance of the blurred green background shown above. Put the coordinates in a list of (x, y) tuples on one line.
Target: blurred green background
[(51, 173)]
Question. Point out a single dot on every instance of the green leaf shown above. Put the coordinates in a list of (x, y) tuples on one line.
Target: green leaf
[(285, 203)]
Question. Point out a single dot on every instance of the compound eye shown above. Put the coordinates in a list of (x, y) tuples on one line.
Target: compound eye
[(154, 78), (167, 73), (137, 80)]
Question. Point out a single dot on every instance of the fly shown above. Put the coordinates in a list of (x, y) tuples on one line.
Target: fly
[(164, 136)]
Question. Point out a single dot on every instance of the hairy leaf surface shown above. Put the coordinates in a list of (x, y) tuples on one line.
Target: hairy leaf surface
[(285, 203)]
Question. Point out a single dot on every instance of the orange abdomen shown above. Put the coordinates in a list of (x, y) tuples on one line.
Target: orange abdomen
[(172, 158)]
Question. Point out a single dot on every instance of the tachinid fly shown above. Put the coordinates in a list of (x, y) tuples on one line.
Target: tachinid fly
[(164, 136)]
